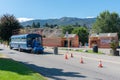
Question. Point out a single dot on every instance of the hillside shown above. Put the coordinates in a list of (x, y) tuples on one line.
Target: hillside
[(62, 21)]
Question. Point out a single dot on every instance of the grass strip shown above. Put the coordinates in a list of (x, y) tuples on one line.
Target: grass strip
[(13, 70)]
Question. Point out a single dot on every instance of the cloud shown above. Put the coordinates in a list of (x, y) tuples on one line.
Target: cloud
[(24, 19), (90, 17)]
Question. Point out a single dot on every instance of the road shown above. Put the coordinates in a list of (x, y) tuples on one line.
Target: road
[(56, 67)]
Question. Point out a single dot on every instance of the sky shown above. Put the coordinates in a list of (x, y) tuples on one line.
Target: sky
[(51, 9)]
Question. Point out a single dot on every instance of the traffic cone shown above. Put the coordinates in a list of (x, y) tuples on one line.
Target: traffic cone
[(66, 56), (100, 64), (81, 60), (71, 55)]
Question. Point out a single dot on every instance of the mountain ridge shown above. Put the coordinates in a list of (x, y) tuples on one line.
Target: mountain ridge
[(62, 21)]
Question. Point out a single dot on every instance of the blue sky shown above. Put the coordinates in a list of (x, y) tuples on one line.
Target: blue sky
[(46, 9)]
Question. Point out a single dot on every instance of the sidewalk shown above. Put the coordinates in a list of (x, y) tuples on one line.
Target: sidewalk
[(92, 56)]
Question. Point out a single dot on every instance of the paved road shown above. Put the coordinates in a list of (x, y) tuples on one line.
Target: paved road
[(55, 67)]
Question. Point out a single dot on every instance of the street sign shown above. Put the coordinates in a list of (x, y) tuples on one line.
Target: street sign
[(66, 34)]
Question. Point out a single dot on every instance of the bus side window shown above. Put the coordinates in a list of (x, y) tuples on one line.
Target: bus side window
[(23, 39)]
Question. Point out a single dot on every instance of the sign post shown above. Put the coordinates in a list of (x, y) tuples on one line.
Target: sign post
[(67, 41)]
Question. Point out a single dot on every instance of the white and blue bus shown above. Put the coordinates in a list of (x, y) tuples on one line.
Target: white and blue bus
[(24, 42)]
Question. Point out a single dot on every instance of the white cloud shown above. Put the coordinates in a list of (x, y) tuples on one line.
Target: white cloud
[(90, 17), (24, 19)]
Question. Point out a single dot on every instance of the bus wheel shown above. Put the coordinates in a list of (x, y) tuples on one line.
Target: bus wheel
[(11, 47), (29, 51), (32, 51), (40, 52)]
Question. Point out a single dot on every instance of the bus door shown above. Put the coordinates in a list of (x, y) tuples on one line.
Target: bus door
[(29, 42)]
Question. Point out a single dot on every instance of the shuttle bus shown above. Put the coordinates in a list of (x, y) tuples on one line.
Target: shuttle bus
[(25, 42)]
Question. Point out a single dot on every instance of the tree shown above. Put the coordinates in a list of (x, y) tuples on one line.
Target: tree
[(77, 24), (51, 26), (28, 26), (107, 22), (8, 23), (82, 33), (55, 25), (33, 25), (38, 25), (46, 25), (67, 28), (114, 45)]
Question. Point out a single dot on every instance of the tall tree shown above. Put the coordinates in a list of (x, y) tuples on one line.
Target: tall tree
[(8, 23), (82, 32), (28, 26), (107, 22), (46, 25), (67, 29), (33, 25), (38, 25)]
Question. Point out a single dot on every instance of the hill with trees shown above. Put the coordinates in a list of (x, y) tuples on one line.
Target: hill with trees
[(64, 21)]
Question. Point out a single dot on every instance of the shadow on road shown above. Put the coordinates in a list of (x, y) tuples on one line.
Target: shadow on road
[(54, 73), (45, 53), (12, 52), (1, 49)]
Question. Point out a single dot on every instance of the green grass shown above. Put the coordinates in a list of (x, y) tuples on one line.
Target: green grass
[(82, 50), (89, 51), (13, 70)]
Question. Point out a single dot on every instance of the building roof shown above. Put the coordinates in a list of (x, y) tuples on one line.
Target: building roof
[(103, 35), (70, 35)]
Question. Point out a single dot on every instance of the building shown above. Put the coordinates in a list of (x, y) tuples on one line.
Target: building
[(54, 37), (102, 40), (72, 41)]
